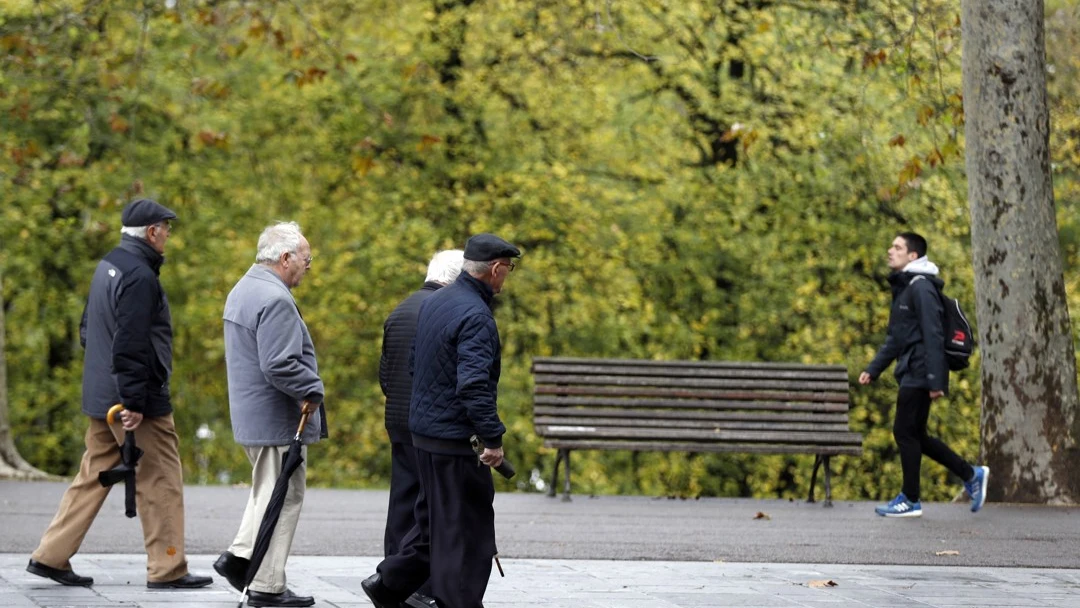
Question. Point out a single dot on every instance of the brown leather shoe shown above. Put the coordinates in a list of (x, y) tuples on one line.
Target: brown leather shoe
[(64, 577)]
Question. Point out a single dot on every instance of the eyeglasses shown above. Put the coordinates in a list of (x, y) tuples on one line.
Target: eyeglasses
[(307, 260), (166, 226), (509, 265)]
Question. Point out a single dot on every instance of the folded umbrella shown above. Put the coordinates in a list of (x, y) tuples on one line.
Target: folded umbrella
[(125, 472), (289, 464)]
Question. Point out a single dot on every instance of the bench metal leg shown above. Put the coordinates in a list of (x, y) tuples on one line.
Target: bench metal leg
[(566, 464), (813, 478), (564, 457), (828, 483), (555, 475)]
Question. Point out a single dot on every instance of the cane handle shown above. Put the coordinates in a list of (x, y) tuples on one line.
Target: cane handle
[(113, 411)]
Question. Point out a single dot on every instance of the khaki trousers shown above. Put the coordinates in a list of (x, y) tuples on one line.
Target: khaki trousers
[(159, 498), (265, 470)]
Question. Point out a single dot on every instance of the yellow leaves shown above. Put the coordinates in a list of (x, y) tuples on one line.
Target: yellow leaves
[(898, 141), (362, 165), (302, 78), (209, 88), (924, 114), (118, 123), (873, 59), (911, 170), (214, 139), (427, 141), (934, 158)]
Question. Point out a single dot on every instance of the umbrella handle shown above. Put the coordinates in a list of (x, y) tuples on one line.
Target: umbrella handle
[(306, 407), (113, 411)]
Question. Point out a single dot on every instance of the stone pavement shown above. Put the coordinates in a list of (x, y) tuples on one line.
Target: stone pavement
[(599, 552), (533, 583)]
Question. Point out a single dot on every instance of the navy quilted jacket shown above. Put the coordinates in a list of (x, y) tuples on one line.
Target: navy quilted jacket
[(456, 366)]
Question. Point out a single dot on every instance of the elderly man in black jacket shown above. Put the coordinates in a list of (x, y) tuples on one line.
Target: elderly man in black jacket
[(916, 341), (457, 363), (395, 378), (127, 332)]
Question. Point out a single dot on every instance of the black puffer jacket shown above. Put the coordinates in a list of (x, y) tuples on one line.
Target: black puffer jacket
[(916, 338), (395, 376), (127, 332), (456, 369)]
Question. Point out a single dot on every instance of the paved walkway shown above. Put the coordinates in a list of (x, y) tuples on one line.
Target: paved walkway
[(600, 552), (530, 583)]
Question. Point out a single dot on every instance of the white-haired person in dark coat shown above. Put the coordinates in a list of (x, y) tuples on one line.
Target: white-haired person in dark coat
[(271, 367)]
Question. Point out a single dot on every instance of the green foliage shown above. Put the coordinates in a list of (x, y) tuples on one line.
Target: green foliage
[(714, 180)]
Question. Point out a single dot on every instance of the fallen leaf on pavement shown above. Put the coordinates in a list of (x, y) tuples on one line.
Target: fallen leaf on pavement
[(760, 515), (949, 552), (821, 584)]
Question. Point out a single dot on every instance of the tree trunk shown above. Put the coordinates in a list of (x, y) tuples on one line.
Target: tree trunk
[(12, 465), (1029, 394)]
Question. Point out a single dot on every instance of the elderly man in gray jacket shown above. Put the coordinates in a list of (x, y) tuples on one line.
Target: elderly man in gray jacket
[(270, 361)]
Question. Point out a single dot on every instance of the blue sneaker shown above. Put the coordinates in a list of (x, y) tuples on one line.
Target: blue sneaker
[(976, 488), (900, 507)]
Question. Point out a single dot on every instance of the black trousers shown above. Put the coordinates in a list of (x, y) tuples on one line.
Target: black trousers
[(453, 542), (909, 430), (404, 489)]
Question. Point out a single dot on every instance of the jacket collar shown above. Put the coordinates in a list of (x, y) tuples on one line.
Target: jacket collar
[(431, 286), (265, 273), (483, 289), (142, 250)]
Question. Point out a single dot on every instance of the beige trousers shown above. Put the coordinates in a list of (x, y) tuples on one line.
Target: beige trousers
[(159, 498), (265, 470)]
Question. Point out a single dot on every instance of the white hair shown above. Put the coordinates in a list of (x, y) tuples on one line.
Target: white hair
[(477, 268), (282, 237), (138, 232), (445, 266)]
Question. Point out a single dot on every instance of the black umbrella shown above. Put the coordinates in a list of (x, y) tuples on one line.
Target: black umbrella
[(289, 464), (125, 472)]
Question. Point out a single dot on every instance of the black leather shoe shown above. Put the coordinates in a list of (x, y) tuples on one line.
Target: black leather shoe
[(64, 577), (285, 598), (378, 593), (233, 568), (188, 581), (420, 600)]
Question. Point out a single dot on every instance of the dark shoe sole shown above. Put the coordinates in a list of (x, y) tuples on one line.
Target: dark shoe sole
[(258, 604), (168, 586), (37, 570)]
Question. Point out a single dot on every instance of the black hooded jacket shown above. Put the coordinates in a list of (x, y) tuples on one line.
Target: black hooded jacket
[(395, 376), (916, 337)]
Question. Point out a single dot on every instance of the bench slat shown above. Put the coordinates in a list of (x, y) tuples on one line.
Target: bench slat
[(706, 425), (664, 382), (801, 367), (693, 393), (746, 448), (710, 404), (587, 432), (831, 375), (650, 414)]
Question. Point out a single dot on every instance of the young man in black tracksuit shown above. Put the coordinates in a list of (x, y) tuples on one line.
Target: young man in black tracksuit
[(916, 341)]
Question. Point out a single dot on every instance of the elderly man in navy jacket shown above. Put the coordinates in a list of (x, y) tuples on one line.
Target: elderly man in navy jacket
[(457, 362), (127, 332)]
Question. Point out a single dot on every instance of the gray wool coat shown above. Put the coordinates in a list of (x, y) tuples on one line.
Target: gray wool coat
[(270, 361)]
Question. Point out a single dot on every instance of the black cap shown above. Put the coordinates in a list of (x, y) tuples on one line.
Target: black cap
[(145, 212), (486, 247)]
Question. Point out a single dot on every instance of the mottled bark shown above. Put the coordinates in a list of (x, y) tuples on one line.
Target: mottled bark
[(1029, 392), (12, 465)]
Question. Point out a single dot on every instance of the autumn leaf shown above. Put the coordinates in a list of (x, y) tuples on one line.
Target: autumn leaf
[(947, 552), (821, 584), (761, 515), (898, 141)]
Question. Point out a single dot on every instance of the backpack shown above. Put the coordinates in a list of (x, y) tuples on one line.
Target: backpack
[(959, 339)]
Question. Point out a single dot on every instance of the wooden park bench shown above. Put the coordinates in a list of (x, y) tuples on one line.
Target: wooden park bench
[(692, 406)]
